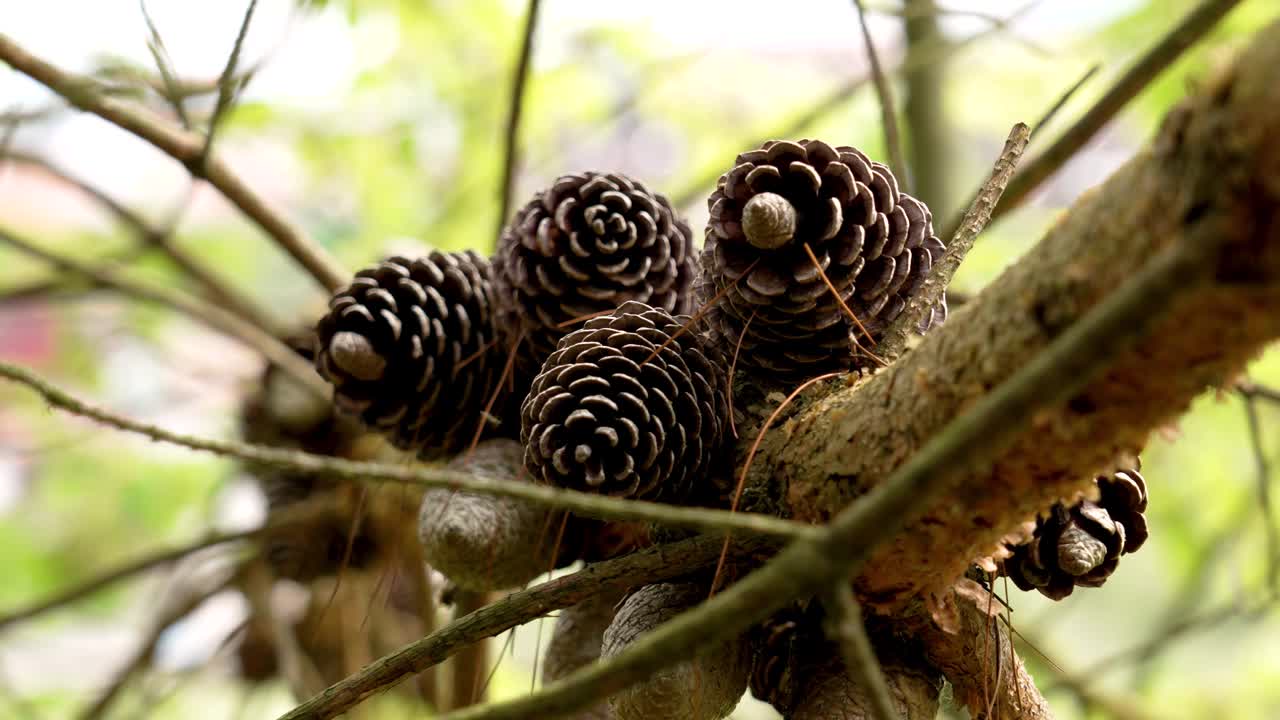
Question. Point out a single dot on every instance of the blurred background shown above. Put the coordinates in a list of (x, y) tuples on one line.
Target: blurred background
[(378, 126)]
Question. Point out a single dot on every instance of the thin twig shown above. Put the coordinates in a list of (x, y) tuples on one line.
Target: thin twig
[(590, 505), (142, 657), (228, 84), (164, 64), (1249, 389), (1063, 99), (299, 672), (213, 316), (1264, 492), (648, 566), (155, 237), (185, 147), (971, 441), (519, 79), (899, 333), (1194, 26), (298, 514), (845, 625), (795, 125), (888, 112)]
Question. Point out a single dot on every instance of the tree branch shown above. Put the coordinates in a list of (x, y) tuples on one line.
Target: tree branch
[(888, 111), (582, 503), (903, 330), (213, 316), (663, 562), (511, 155), (185, 147), (299, 514), (844, 616), (159, 239), (1194, 26)]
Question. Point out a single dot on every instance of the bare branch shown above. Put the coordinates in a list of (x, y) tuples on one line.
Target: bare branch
[(1264, 492), (1194, 26), (655, 564), (228, 84), (299, 514), (213, 316), (844, 616), (164, 64), (519, 78), (185, 147), (140, 659), (159, 239), (888, 112), (796, 125), (1065, 97), (298, 670), (903, 329), (582, 503)]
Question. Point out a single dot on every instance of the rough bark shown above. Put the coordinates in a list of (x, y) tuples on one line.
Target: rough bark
[(1213, 171), (976, 654)]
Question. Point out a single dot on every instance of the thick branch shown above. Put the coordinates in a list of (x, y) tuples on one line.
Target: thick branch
[(656, 564), (582, 503), (1210, 183), (187, 148)]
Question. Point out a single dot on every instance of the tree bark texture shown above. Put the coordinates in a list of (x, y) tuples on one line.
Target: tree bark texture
[(1211, 175)]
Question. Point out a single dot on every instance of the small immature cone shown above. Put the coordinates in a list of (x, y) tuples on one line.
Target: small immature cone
[(576, 643), (1081, 545), (484, 542), (707, 687)]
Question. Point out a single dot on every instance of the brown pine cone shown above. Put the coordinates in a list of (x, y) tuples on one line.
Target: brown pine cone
[(874, 244), (626, 406), (407, 347), (1082, 545), (587, 244)]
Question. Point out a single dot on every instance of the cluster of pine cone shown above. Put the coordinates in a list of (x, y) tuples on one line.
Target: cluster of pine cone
[(591, 352)]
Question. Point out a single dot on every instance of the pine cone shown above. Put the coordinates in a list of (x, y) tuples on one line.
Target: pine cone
[(407, 347), (627, 407), (588, 244), (1082, 545), (874, 244)]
